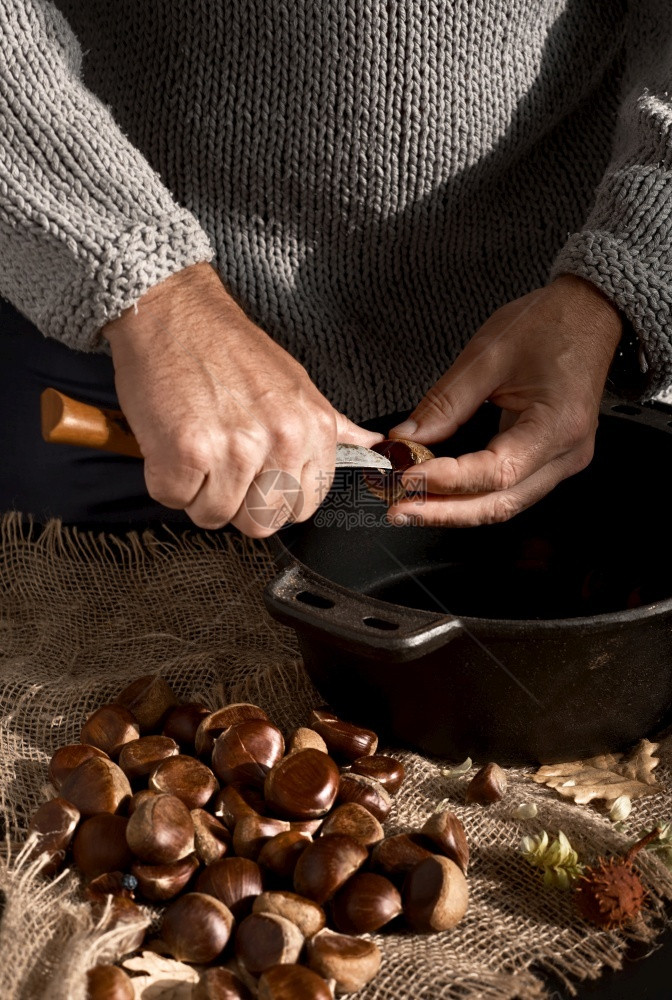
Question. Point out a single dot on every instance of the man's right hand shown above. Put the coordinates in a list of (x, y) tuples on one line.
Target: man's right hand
[(213, 401)]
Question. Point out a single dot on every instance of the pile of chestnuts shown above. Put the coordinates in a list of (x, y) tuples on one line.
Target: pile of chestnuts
[(269, 857)]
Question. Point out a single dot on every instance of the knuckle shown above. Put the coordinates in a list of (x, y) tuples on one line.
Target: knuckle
[(245, 442), (506, 474), (439, 404), (291, 433), (502, 508), (584, 456)]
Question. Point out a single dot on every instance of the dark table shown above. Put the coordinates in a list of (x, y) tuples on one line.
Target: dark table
[(646, 975)]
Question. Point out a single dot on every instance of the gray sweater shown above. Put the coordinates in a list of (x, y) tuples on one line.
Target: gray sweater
[(371, 179)]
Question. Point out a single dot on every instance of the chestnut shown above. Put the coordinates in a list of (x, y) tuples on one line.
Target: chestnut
[(309, 826), (137, 798), (304, 739), (67, 758), (159, 882), (305, 913), (488, 785), (265, 939), (53, 824), (234, 881), (356, 821), (99, 846), (403, 454), (211, 838), (231, 804), (350, 962), (109, 728), (149, 698), (124, 917), (302, 785), (111, 884), (139, 757), (386, 770), (280, 854), (186, 778), (97, 786), (343, 739), (108, 982), (251, 833), (196, 928), (247, 751), (218, 983), (292, 982), (182, 722), (365, 903), (435, 895), (447, 835), (214, 724), (161, 830), (326, 865), (366, 792), (398, 854)]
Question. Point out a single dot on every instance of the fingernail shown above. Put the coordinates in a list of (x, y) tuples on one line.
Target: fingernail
[(406, 427)]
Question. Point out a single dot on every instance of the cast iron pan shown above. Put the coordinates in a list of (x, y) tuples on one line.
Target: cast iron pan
[(546, 638)]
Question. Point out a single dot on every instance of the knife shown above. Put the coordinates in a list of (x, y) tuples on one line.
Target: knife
[(68, 421)]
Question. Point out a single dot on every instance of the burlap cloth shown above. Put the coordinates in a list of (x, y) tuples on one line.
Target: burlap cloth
[(81, 616)]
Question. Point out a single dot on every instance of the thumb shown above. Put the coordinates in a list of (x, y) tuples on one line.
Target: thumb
[(449, 403), (348, 432)]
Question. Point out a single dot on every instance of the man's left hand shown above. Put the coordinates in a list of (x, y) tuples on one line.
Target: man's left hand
[(543, 359)]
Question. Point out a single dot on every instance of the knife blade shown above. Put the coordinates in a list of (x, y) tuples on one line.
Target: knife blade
[(354, 456), (68, 421)]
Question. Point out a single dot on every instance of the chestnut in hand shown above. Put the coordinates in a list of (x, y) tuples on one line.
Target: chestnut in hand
[(403, 454)]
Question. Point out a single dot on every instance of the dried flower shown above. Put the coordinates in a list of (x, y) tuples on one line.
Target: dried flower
[(458, 770), (557, 859), (610, 893), (620, 809), (526, 810)]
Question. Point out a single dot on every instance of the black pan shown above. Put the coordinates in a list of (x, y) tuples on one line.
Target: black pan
[(542, 639)]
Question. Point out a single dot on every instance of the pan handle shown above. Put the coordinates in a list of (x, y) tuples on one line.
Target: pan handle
[(311, 604)]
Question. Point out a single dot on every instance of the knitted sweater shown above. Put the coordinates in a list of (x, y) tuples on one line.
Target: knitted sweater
[(371, 180)]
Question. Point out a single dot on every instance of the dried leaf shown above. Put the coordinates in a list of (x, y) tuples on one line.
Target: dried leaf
[(607, 776), (164, 979)]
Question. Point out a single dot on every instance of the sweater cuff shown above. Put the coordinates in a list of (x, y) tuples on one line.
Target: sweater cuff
[(643, 294), (137, 259)]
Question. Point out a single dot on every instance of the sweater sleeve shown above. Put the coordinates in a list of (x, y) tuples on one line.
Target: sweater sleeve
[(86, 225), (625, 247)]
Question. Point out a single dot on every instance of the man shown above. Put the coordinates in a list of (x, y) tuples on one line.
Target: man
[(273, 215)]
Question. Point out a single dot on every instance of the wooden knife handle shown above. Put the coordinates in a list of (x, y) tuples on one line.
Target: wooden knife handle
[(67, 421)]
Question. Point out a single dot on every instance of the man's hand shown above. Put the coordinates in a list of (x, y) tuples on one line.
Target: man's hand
[(544, 360), (214, 401)]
